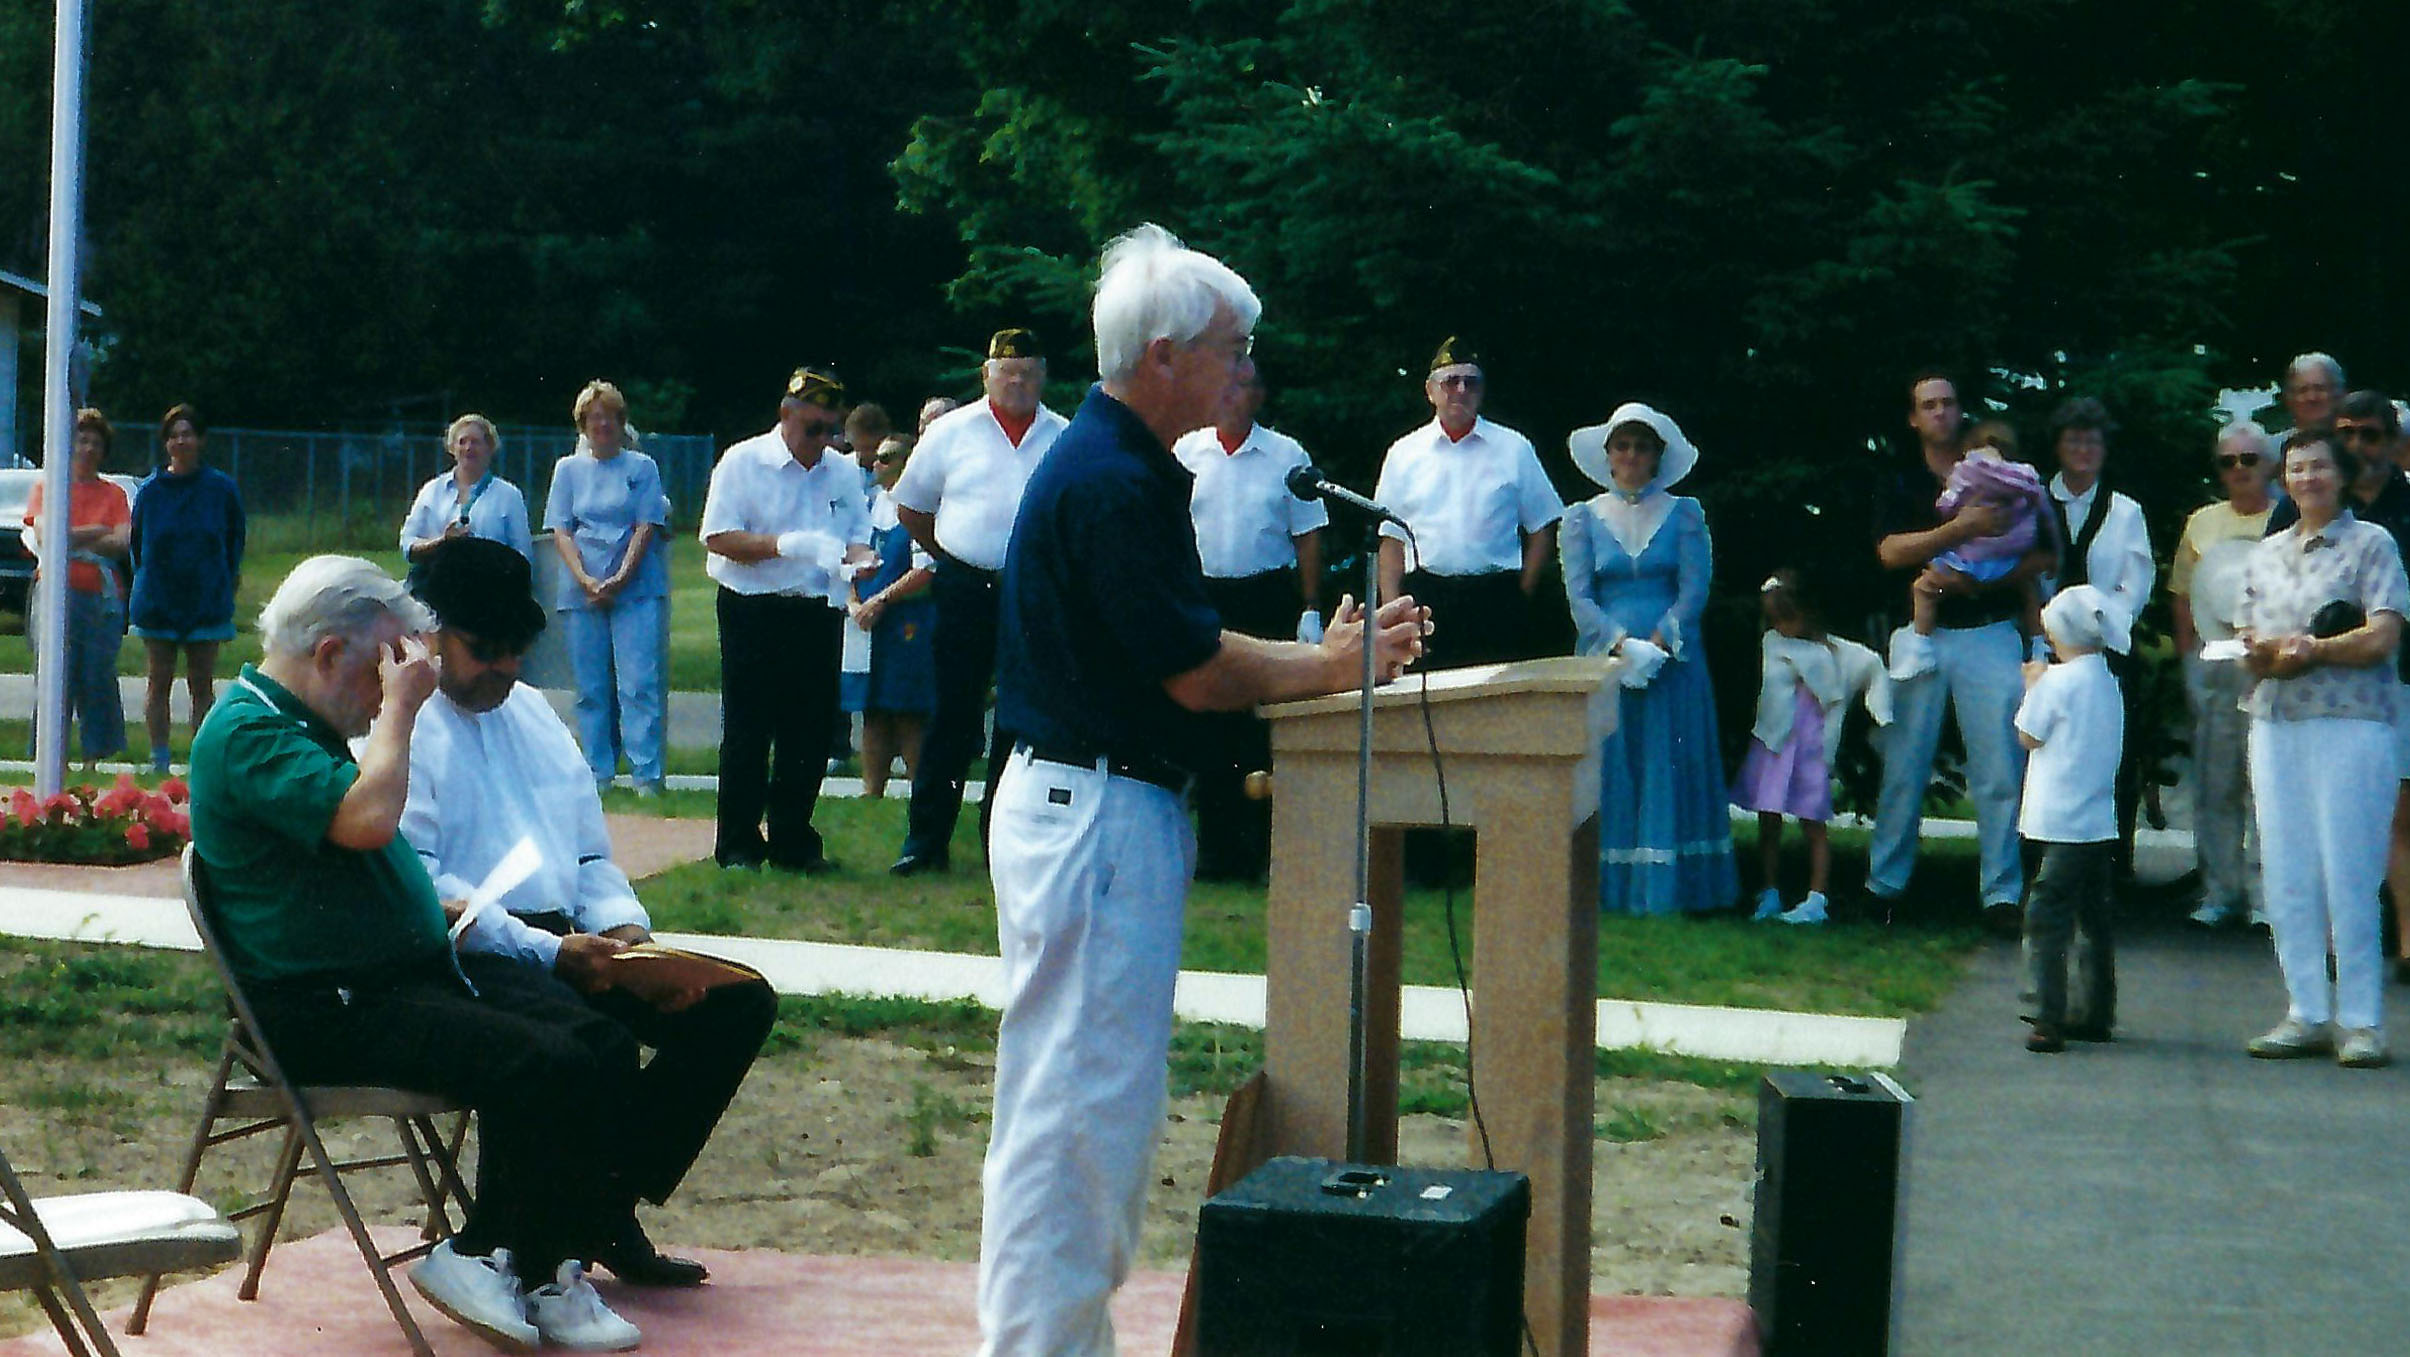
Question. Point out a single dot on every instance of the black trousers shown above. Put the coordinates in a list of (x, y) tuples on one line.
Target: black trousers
[(1234, 834), (1475, 619), (549, 1076), (700, 1057), (778, 683), (963, 650)]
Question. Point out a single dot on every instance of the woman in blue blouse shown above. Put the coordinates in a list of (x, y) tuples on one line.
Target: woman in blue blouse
[(187, 551), (1636, 568), (606, 512), (470, 500)]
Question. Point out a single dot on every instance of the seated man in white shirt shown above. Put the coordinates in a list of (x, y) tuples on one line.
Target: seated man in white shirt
[(492, 764)]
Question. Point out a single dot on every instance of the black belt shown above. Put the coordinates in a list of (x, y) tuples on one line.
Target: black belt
[(1154, 772)]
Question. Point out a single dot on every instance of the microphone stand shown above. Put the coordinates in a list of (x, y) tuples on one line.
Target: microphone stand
[(1359, 917)]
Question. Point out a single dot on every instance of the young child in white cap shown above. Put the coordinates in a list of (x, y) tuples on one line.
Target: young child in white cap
[(2073, 723)]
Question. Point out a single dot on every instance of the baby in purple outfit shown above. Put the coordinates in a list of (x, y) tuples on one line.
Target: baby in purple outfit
[(1984, 476)]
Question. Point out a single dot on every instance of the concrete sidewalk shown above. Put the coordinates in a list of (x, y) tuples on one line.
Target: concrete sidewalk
[(2164, 1193)]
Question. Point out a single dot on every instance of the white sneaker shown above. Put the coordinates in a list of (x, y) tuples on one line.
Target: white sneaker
[(2362, 1048), (570, 1314), (1808, 911), (2291, 1040), (2211, 916), (480, 1292), (1769, 906), (1911, 654)]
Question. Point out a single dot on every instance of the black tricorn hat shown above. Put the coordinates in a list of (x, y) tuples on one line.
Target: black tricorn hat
[(484, 588), (1015, 343)]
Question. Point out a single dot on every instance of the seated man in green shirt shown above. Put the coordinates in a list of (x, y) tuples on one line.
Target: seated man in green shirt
[(335, 929)]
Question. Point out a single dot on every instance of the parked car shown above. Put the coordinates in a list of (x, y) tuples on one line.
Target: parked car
[(16, 559)]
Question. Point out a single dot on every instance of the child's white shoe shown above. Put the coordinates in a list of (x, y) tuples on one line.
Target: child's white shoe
[(1911, 654), (1808, 911), (1769, 906)]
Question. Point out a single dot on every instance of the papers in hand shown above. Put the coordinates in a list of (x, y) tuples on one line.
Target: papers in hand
[(1641, 661), (2229, 649), (515, 867)]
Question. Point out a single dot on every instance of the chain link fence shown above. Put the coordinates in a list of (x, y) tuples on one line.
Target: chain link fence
[(330, 487)]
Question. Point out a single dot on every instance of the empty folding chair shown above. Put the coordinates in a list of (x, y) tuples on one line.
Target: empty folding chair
[(50, 1245)]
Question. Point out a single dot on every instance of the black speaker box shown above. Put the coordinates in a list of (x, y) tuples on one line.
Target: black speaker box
[(1308, 1256), (1826, 1232)]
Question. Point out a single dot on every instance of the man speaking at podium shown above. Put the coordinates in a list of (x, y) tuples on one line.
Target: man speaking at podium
[(1108, 653)]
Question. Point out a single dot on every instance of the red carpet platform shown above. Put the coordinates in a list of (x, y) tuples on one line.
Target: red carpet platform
[(317, 1301)]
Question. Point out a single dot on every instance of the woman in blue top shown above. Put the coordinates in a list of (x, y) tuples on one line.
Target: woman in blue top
[(606, 512), (1636, 567), (187, 551), (470, 500), (896, 693)]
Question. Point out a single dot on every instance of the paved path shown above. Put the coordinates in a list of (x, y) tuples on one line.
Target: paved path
[(2161, 1194)]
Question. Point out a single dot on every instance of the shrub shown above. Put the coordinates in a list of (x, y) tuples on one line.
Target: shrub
[(86, 825)]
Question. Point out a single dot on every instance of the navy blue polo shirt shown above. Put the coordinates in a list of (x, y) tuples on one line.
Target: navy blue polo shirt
[(1103, 597)]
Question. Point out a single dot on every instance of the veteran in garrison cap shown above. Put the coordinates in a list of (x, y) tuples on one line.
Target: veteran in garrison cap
[(958, 496), (787, 530), (1483, 517)]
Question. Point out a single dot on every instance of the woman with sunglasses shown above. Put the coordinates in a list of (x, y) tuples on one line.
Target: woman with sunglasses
[(606, 511), (2204, 585)]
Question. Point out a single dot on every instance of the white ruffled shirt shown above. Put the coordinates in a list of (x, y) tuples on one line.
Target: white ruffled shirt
[(1834, 670), (479, 782), (2119, 563)]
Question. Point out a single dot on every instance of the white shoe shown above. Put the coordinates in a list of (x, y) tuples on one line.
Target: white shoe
[(480, 1292), (2211, 916), (1911, 654), (1769, 906), (2292, 1039), (1808, 911), (570, 1314), (2362, 1048)]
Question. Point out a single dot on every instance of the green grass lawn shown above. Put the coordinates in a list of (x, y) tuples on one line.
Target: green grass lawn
[(1721, 959)]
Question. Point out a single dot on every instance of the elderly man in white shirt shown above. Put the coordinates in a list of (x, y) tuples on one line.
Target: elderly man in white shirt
[(2104, 543), (491, 766), (1483, 515), (959, 495), (1261, 548), (787, 530)]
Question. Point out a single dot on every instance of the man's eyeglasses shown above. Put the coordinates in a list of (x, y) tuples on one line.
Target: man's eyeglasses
[(2228, 461), (821, 428), (2361, 433), (1460, 381)]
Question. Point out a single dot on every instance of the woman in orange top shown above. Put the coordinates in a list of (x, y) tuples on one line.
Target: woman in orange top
[(99, 528)]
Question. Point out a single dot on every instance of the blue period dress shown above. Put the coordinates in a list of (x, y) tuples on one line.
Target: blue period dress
[(1664, 835), (903, 673)]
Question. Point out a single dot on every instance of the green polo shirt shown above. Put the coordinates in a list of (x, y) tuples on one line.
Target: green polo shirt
[(267, 777)]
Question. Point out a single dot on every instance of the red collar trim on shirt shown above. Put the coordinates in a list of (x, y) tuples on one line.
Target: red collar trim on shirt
[(1231, 445), (1015, 428), (1459, 437)]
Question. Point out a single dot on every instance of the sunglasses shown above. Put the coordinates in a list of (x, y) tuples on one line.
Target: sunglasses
[(821, 428), (887, 459), (2228, 461)]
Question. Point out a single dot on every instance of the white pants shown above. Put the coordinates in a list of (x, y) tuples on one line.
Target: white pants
[(1091, 874), (2324, 791)]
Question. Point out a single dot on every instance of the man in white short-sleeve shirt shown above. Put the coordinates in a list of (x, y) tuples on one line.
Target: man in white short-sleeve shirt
[(787, 529), (958, 495), (1484, 518), (1261, 548)]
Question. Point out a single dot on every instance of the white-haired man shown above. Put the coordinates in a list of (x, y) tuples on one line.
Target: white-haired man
[(1103, 674), (1484, 517), (341, 942), (958, 496), (2312, 383)]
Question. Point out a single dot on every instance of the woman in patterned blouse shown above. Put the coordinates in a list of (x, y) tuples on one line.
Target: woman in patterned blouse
[(2321, 614)]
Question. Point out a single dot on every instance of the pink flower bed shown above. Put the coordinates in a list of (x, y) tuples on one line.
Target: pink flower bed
[(87, 825)]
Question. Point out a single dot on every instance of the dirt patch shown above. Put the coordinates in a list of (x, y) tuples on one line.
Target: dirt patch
[(864, 1146)]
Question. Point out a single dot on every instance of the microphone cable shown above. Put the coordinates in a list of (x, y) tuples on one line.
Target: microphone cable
[(1447, 887)]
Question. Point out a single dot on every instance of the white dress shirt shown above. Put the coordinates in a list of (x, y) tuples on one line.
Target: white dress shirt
[(760, 487), (480, 782), (969, 474), (1246, 519), (2071, 780), (1469, 500), (2119, 564)]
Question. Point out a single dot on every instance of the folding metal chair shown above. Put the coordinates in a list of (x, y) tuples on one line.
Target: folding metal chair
[(48, 1243), (251, 1090)]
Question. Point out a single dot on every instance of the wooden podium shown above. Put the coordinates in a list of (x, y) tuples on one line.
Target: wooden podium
[(1519, 747)]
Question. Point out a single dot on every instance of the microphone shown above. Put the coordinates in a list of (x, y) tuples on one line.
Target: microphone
[(1308, 482)]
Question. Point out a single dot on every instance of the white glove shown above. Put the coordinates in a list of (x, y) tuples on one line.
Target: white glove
[(1641, 661), (805, 545), (1309, 627)]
